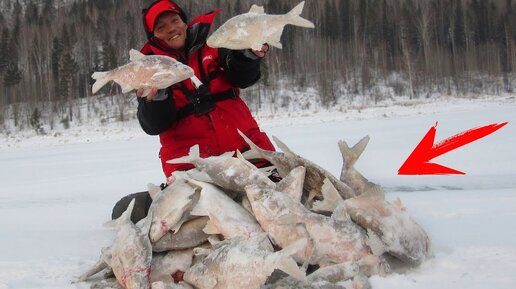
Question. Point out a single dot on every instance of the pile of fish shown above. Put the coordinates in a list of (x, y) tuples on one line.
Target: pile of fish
[(226, 225)]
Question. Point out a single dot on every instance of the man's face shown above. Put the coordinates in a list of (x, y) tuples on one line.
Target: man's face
[(171, 29)]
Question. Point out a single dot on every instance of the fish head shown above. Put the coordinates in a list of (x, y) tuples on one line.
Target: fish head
[(159, 227), (267, 204), (135, 278), (255, 193), (217, 39), (199, 276), (228, 37)]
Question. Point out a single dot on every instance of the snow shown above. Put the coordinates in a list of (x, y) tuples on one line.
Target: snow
[(57, 190)]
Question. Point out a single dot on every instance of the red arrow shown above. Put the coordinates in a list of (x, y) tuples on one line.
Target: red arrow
[(418, 162)]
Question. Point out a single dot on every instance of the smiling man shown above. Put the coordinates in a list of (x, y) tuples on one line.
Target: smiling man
[(184, 115)]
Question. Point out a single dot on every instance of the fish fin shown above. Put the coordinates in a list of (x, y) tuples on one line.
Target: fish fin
[(351, 155), (101, 79), (257, 9), (287, 219), (125, 217), (276, 39), (375, 243), (256, 46), (311, 195), (254, 152), (199, 176), (127, 88), (287, 264), (192, 155), (246, 162), (374, 192), (283, 146), (135, 55), (145, 224), (398, 204), (99, 266), (340, 213), (247, 205), (153, 190), (211, 227), (226, 155), (292, 184), (106, 255), (297, 20), (331, 198), (276, 44), (199, 251), (214, 241), (178, 225)]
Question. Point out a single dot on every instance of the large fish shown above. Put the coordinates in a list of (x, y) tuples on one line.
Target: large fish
[(241, 263), (131, 252), (163, 266), (170, 207), (288, 160), (227, 217), (253, 29), (226, 171), (331, 240), (389, 226), (144, 71)]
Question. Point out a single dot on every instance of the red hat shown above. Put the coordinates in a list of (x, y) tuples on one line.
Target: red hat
[(158, 7)]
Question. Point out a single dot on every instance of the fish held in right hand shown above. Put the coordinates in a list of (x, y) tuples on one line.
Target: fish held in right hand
[(144, 71)]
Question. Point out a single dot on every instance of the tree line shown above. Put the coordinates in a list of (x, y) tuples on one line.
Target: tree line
[(377, 48)]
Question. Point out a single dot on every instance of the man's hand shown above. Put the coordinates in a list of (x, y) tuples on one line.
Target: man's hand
[(152, 93), (261, 53)]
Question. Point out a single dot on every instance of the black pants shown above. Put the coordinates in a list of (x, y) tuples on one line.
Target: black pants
[(142, 203)]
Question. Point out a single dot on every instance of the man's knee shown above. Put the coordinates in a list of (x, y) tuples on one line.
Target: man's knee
[(142, 203)]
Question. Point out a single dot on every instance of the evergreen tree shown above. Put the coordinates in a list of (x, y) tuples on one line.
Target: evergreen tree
[(108, 54), (13, 75), (67, 75), (4, 50), (57, 51)]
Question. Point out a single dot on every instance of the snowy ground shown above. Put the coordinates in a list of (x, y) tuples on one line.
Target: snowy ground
[(57, 191)]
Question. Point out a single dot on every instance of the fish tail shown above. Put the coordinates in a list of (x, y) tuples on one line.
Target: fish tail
[(192, 155), (125, 217), (331, 198), (351, 155), (254, 152), (287, 264), (102, 78), (297, 20)]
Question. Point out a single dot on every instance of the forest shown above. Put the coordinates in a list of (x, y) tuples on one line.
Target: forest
[(374, 48)]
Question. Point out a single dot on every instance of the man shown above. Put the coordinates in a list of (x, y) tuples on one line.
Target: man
[(184, 115)]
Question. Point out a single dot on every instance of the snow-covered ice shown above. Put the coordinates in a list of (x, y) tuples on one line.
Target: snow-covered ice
[(57, 191)]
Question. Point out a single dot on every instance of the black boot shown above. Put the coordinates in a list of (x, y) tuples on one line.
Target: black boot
[(142, 203)]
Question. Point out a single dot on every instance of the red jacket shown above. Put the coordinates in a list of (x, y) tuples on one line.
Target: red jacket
[(215, 131)]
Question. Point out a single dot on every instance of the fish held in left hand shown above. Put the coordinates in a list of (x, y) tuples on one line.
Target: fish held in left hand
[(144, 71), (254, 28)]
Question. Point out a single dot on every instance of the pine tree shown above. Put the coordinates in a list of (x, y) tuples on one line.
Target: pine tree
[(13, 75), (4, 50)]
